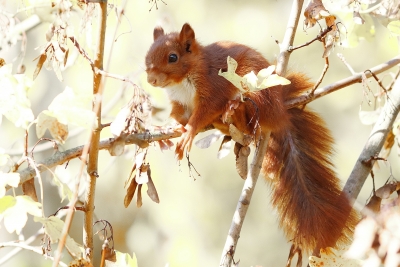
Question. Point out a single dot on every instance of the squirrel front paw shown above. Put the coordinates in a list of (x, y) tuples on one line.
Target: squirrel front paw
[(185, 143)]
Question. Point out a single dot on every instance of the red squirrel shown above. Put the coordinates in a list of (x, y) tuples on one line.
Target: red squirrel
[(306, 192)]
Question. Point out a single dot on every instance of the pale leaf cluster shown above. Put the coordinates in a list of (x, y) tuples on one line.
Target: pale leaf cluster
[(14, 103), (71, 107)]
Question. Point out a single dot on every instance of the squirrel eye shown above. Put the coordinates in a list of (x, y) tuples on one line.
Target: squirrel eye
[(172, 58)]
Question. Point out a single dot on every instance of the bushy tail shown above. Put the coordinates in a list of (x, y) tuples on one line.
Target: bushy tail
[(306, 191)]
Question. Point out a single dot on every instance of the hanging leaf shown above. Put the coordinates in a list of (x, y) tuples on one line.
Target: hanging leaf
[(151, 189), (14, 103), (139, 201), (130, 192), (225, 147), (242, 154), (15, 217), (53, 227), (39, 65), (208, 140), (58, 131), (11, 179), (63, 188), (238, 136)]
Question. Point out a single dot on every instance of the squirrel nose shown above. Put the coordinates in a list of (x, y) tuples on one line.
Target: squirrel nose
[(151, 79)]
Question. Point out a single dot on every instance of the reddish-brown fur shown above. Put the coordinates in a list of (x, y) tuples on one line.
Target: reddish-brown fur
[(306, 192)]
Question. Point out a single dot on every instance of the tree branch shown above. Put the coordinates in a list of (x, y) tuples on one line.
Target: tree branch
[(374, 144), (93, 162), (357, 78), (287, 43), (59, 158), (244, 201)]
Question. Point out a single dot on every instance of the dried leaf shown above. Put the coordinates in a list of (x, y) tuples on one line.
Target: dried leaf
[(314, 12), (225, 147), (387, 146), (2, 62), (385, 191), (151, 189), (242, 160), (109, 254), (117, 146), (238, 136), (130, 192), (130, 175), (66, 56), (80, 263), (333, 258), (208, 140), (42, 59), (142, 176), (47, 121), (374, 204), (332, 36), (28, 188), (139, 202)]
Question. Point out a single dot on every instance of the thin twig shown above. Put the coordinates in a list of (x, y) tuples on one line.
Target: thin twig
[(326, 67), (18, 249), (319, 37), (341, 57), (22, 245)]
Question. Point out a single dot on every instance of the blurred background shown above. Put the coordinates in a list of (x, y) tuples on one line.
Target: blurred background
[(190, 224)]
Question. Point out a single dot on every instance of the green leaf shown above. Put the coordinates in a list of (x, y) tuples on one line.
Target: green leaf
[(53, 227), (15, 217), (125, 260), (14, 104), (11, 179), (6, 202), (394, 27)]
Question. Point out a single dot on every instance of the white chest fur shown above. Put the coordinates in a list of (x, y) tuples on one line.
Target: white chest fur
[(183, 93)]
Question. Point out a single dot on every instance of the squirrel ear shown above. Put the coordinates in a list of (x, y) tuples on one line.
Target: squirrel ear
[(158, 31), (187, 36)]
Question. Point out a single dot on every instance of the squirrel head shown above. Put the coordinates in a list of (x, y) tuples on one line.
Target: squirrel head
[(171, 56)]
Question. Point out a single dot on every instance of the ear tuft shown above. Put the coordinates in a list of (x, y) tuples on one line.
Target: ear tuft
[(187, 36), (158, 31)]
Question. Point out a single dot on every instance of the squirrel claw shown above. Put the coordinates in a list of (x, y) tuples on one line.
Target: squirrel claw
[(184, 143)]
